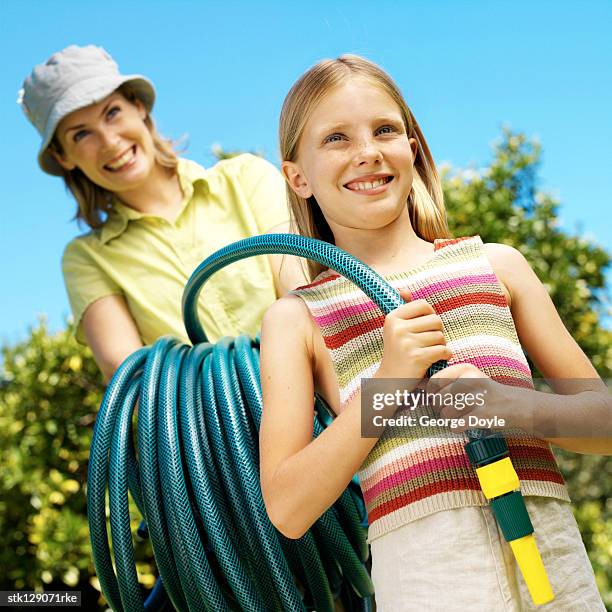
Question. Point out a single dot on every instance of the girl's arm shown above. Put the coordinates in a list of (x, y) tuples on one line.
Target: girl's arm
[(557, 355), (110, 332), (301, 477)]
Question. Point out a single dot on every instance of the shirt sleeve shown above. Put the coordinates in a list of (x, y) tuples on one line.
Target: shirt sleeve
[(85, 281), (265, 189)]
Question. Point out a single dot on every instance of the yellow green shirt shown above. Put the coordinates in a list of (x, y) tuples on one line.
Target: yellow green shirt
[(148, 260)]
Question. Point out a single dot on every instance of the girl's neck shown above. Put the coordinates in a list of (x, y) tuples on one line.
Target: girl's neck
[(387, 250), (159, 195)]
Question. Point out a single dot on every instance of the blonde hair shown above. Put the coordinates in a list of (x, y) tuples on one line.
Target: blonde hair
[(426, 200), (94, 202)]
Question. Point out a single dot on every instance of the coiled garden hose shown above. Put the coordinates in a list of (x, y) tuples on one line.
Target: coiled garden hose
[(195, 477)]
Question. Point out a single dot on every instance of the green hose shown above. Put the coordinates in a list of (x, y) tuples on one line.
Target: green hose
[(195, 475)]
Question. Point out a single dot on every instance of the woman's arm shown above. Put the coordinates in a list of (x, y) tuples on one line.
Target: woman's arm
[(583, 395), (110, 332), (300, 477)]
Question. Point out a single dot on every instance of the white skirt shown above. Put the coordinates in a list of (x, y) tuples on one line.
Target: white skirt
[(458, 560)]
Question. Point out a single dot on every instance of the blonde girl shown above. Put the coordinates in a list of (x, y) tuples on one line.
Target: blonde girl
[(360, 175)]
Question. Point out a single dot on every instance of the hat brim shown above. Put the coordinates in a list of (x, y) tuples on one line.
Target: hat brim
[(84, 94)]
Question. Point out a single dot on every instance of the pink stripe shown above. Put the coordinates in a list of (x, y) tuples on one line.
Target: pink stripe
[(498, 360), (341, 313), (453, 283), (414, 471)]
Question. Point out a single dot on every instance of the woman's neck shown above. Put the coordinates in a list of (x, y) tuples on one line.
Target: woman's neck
[(159, 195), (387, 250)]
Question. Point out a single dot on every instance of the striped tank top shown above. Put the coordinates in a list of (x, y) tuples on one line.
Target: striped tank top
[(411, 475)]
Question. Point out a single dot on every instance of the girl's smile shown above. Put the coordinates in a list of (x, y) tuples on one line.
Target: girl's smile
[(371, 184)]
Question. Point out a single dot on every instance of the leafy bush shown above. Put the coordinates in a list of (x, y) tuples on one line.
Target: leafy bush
[(49, 398)]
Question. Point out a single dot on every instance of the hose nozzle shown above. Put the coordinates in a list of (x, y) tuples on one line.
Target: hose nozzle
[(488, 453), (530, 563)]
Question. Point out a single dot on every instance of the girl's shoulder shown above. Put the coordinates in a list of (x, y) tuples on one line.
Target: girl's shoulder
[(504, 256), (509, 265), (288, 305), (288, 313)]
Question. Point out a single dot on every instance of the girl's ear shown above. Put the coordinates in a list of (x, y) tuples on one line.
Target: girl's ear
[(414, 145), (296, 179)]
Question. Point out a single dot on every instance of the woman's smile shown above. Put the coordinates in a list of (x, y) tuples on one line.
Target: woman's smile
[(123, 162)]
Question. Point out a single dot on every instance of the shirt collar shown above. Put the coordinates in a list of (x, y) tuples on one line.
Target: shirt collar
[(189, 173)]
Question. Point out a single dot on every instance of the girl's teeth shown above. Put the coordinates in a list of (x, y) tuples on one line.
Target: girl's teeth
[(369, 185)]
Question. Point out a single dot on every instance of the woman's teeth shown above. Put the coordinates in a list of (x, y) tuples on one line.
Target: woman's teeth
[(364, 185), (122, 161)]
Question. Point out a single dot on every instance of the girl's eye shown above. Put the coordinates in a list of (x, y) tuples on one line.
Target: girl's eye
[(79, 135), (112, 112), (333, 138), (386, 129)]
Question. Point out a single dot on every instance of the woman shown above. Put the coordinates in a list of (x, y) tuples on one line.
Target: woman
[(153, 216)]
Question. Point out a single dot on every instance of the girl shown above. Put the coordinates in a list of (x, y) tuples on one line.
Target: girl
[(153, 217), (360, 175)]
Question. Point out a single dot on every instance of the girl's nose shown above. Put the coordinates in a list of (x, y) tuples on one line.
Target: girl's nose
[(367, 153)]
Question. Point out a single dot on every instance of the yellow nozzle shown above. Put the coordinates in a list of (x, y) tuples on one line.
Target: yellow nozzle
[(530, 563), (498, 478)]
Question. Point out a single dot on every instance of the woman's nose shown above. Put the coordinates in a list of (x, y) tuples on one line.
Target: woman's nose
[(108, 138)]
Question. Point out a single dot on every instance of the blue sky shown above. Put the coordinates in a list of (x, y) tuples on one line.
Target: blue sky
[(222, 70)]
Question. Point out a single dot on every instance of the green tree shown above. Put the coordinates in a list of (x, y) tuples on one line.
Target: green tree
[(51, 387), (503, 204)]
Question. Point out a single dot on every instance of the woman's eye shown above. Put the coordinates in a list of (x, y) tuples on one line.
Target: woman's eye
[(334, 138), (79, 135), (112, 112)]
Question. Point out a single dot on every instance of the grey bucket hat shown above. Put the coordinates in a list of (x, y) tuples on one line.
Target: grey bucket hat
[(69, 80)]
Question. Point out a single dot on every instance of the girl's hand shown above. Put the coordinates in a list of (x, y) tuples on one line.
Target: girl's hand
[(413, 339), (489, 404)]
